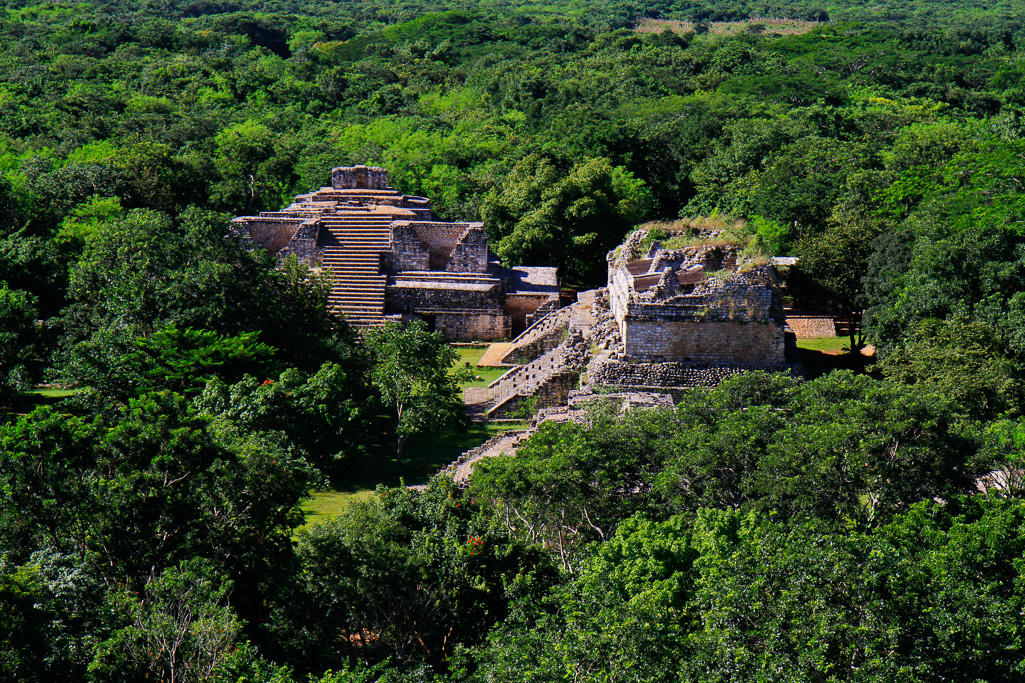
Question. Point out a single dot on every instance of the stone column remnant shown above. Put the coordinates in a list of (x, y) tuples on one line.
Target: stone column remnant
[(359, 178)]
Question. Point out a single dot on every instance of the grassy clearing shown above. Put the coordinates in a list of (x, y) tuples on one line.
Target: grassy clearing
[(470, 356), (27, 401), (325, 505), (53, 393), (824, 343), (767, 25)]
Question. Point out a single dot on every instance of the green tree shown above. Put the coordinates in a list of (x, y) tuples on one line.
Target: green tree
[(146, 488), (829, 273), (320, 413), (18, 339), (147, 272), (965, 361), (182, 627), (254, 166), (182, 361), (410, 371), (407, 575), (543, 218)]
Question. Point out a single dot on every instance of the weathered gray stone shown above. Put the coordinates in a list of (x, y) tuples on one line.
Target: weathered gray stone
[(390, 260)]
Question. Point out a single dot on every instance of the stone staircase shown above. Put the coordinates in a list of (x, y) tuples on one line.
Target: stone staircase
[(540, 338), (353, 245), (502, 444), (548, 378)]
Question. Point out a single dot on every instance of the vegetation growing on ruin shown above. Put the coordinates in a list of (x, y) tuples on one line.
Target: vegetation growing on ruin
[(770, 529)]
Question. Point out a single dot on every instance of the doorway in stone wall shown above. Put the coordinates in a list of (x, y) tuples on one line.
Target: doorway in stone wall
[(431, 320)]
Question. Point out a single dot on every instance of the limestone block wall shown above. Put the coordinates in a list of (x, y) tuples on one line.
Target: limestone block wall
[(359, 178), (530, 379), (806, 327), (437, 298), (304, 244), (540, 338), (619, 288), (430, 245), (552, 391), (705, 342), (470, 254), (524, 308), (408, 250), (549, 305), (272, 234), (604, 371), (474, 325), (709, 258)]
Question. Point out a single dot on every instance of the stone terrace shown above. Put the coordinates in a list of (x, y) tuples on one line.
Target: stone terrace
[(389, 259)]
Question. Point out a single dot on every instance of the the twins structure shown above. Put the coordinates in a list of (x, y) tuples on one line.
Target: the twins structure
[(389, 259)]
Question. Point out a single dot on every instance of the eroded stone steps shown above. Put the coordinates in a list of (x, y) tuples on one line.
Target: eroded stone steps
[(443, 275), (353, 241)]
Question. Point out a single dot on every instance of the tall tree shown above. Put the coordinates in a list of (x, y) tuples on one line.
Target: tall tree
[(410, 371)]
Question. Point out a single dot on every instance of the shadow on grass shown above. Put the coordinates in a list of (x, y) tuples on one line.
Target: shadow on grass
[(28, 401), (818, 363), (424, 455)]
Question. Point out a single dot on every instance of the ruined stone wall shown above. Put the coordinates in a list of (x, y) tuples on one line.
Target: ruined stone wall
[(272, 234), (552, 391), (604, 371), (524, 307), (549, 305), (439, 298), (304, 244), (619, 288), (408, 250), (472, 325), (808, 327), (440, 240), (541, 338), (709, 258), (359, 178), (705, 342), (470, 254), (728, 302), (429, 245)]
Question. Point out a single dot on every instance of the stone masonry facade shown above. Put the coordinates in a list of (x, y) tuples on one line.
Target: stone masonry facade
[(669, 321), (390, 259)]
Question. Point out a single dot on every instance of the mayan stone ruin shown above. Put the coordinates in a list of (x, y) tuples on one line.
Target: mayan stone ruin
[(669, 320), (390, 259)]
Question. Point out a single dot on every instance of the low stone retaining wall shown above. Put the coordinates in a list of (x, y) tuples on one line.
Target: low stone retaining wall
[(605, 371)]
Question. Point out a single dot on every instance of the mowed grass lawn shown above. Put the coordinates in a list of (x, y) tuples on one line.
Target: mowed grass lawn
[(824, 343), (469, 356)]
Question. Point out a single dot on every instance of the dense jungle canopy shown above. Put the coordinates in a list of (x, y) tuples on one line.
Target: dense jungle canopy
[(768, 530)]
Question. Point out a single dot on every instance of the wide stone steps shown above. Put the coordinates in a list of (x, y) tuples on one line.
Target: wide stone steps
[(353, 243)]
